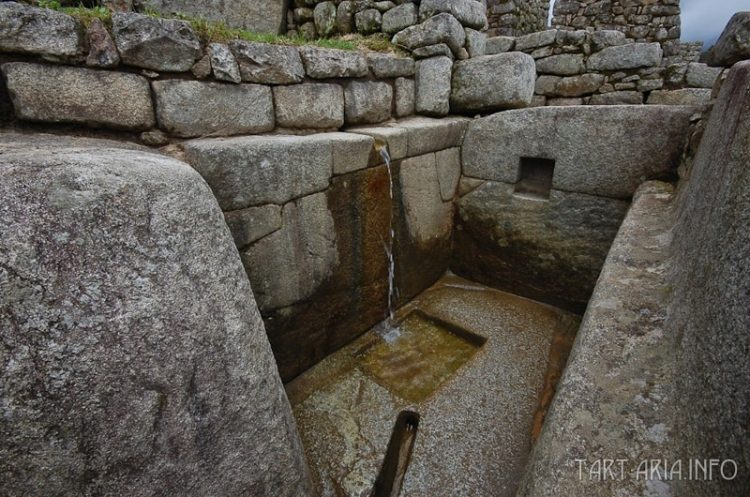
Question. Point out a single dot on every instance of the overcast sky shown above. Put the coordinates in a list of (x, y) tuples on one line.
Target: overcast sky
[(705, 19)]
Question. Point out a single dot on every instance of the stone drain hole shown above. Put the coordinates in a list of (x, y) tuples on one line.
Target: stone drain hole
[(397, 456), (535, 177)]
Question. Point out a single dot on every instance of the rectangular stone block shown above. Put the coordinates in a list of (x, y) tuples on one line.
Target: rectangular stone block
[(27, 29), (599, 150), (57, 94), (195, 108), (430, 135), (256, 170), (309, 106)]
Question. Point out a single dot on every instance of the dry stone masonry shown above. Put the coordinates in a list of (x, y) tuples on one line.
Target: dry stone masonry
[(606, 68), (516, 17)]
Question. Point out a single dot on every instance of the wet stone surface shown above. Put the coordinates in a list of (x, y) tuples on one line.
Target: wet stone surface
[(477, 408)]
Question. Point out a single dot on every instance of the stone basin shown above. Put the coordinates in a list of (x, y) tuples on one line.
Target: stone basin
[(474, 362)]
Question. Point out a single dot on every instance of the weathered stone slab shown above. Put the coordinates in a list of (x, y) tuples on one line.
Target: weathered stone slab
[(309, 106), (449, 171), (470, 13), (701, 75), (551, 251), (604, 38), (624, 145), (576, 86), (562, 65), (128, 321), (622, 355), (536, 40), (630, 56), (389, 66), (396, 139), (168, 45), (492, 82), (27, 29), (368, 102), (196, 108), (684, 96), (439, 50), (433, 86), (351, 151), (252, 224), (288, 265), (442, 28), (323, 63), (499, 44), (268, 64), (404, 96), (256, 170), (428, 218), (430, 135), (223, 63), (261, 16), (91, 97), (627, 97), (734, 43)]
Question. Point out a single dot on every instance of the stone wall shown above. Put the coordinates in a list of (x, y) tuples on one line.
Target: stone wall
[(606, 68), (428, 27), (640, 20), (516, 17), (660, 364), (550, 246), (311, 217)]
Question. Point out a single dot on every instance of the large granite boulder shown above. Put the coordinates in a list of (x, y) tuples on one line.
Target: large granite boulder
[(493, 82), (262, 16), (734, 43), (158, 44), (91, 97), (134, 360), (708, 309), (27, 29)]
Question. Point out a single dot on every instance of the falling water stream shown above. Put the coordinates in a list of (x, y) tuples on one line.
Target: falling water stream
[(387, 329)]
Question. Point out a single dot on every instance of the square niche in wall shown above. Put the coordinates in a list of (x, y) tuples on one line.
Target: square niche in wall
[(535, 177)]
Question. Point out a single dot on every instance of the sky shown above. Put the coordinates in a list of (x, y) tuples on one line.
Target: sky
[(704, 20)]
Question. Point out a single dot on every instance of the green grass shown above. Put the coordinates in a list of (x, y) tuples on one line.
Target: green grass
[(218, 32)]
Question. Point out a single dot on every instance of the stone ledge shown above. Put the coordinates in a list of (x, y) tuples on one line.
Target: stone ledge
[(615, 397)]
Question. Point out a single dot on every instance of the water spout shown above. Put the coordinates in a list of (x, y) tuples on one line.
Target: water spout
[(387, 330)]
